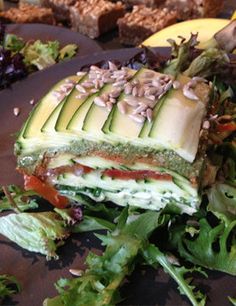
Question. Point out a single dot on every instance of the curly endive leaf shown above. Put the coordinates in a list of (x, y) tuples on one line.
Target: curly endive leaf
[(210, 247), (222, 202), (153, 255)]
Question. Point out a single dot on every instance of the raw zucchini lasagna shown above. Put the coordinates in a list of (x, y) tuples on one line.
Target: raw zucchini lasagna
[(121, 135)]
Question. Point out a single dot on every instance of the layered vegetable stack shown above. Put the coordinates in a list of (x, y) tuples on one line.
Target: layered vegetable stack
[(122, 135)]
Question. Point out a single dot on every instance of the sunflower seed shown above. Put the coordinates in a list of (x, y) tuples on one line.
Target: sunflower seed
[(107, 74), (138, 118), (112, 66), (115, 93), (128, 89), (148, 102), (122, 107), (119, 83), (76, 272), (168, 86), (149, 114), (80, 88), (119, 73), (141, 92), (131, 101), (109, 105), (135, 91), (147, 81), (66, 86), (135, 82), (151, 91), (149, 74), (80, 73), (94, 68), (151, 97), (87, 84), (112, 100), (105, 97), (166, 78), (57, 94), (99, 102), (140, 109), (120, 78), (156, 83), (16, 111), (96, 83), (189, 93), (176, 84), (82, 96), (107, 80), (199, 79), (69, 81)]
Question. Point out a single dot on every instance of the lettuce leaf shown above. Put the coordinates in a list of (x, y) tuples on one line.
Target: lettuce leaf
[(13, 43), (40, 55), (67, 52), (39, 232), (99, 284)]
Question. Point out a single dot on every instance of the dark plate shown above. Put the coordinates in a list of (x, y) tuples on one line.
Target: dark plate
[(45, 33), (36, 275)]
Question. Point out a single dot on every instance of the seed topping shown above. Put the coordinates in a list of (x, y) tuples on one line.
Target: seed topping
[(16, 111)]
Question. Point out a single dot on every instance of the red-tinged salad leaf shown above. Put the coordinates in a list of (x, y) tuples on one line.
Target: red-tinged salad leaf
[(23, 200), (153, 256), (12, 67), (99, 284), (18, 57), (40, 232), (206, 245), (181, 56), (8, 286)]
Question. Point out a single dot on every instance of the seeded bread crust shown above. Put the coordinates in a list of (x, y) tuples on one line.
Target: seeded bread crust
[(95, 17), (27, 13), (142, 22)]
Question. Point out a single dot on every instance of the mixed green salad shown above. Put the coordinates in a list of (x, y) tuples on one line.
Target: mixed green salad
[(130, 236), (18, 57)]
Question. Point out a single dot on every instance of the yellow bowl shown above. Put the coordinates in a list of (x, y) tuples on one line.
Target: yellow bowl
[(205, 27)]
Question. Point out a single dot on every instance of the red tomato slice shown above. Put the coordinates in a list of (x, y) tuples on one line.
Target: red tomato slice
[(137, 174), (227, 127), (48, 192)]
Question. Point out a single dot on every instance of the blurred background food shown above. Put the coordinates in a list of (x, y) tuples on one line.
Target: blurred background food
[(128, 22)]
